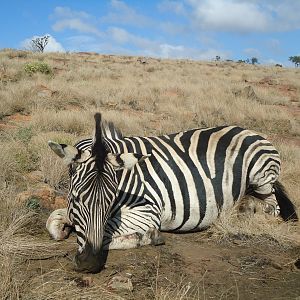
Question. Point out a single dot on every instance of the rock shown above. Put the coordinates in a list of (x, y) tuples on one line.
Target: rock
[(44, 194), (84, 281), (60, 202), (120, 283)]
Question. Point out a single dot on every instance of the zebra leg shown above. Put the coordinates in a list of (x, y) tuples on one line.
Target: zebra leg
[(151, 237), (58, 224)]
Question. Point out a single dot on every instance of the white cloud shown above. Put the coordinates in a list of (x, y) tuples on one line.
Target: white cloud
[(121, 36), (172, 6), (123, 14), (286, 14), (244, 16), (180, 51), (229, 15), (168, 51), (66, 12), (52, 46), (75, 20), (75, 24)]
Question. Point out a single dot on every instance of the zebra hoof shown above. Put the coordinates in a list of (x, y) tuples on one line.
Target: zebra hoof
[(272, 210), (155, 237), (58, 225)]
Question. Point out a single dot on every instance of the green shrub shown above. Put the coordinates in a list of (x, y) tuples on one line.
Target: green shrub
[(24, 134), (33, 203), (34, 67)]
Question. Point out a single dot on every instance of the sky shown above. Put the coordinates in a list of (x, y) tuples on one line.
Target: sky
[(194, 29)]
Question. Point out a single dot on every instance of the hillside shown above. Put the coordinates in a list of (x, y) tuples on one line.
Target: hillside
[(54, 97)]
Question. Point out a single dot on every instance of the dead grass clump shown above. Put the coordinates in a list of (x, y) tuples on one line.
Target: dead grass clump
[(66, 121), (15, 241), (179, 291), (15, 159), (258, 228), (60, 284), (17, 54), (10, 286), (271, 96), (15, 100), (8, 165)]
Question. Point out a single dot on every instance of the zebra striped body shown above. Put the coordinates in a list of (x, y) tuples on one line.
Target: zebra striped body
[(124, 190), (190, 177)]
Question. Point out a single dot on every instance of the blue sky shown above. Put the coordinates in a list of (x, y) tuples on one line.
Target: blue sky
[(195, 29)]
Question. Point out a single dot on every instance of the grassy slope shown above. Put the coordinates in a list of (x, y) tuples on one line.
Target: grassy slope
[(162, 96)]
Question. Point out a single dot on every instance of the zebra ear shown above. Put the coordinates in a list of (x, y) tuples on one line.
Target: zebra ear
[(126, 160), (66, 152)]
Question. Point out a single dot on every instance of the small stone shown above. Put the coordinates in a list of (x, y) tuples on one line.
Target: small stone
[(45, 195), (84, 281), (120, 283)]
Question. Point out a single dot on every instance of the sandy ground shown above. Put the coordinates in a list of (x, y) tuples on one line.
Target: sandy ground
[(188, 266)]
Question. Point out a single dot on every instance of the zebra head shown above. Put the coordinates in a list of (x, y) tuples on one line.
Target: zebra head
[(92, 191)]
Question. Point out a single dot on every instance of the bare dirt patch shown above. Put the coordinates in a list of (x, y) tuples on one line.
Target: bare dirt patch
[(190, 266)]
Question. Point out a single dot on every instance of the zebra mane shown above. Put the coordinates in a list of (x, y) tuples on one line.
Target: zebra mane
[(110, 132), (98, 147)]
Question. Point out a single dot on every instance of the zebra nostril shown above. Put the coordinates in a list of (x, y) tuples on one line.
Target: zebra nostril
[(87, 261)]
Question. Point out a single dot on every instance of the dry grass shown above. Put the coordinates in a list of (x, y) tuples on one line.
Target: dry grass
[(10, 288), (256, 229), (59, 284), (16, 242), (162, 97)]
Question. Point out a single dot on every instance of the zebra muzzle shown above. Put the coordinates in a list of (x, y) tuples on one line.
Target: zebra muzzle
[(88, 261)]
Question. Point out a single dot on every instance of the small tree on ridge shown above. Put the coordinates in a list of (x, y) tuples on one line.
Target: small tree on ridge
[(254, 60), (295, 60), (38, 44)]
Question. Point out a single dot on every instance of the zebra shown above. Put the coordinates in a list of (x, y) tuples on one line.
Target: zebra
[(125, 190)]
